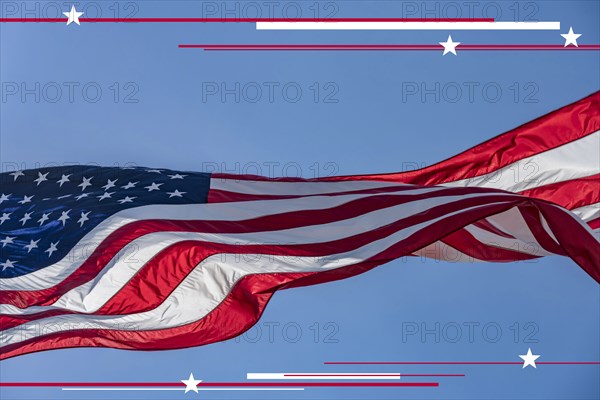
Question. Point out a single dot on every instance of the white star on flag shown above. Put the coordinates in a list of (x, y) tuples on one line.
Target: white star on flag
[(127, 199), (154, 186), (449, 46), (17, 174), (32, 245), (73, 15), (109, 184), (105, 195), (63, 179), (129, 185), (7, 240), (44, 218), (26, 199), (85, 183), (571, 38), (529, 358), (25, 218), (7, 264), (51, 249), (41, 178), (191, 383), (64, 217), (4, 217), (84, 217), (176, 193)]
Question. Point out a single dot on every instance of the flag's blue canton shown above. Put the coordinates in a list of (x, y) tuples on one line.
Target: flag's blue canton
[(45, 212)]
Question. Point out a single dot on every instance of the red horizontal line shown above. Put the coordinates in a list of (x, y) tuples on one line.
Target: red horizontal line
[(253, 20), (457, 363), (91, 384), (378, 47), (372, 375), (431, 375), (219, 384)]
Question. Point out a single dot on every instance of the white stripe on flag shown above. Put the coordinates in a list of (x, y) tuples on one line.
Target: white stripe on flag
[(577, 159), (282, 188), (588, 213)]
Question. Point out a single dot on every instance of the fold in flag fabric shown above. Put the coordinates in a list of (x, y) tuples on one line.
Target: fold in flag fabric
[(150, 259)]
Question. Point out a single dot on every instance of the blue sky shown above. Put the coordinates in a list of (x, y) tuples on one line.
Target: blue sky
[(354, 116)]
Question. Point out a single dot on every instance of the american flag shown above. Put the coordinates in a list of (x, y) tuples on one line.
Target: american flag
[(142, 258)]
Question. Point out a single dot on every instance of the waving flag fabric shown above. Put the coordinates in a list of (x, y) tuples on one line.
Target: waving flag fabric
[(139, 258)]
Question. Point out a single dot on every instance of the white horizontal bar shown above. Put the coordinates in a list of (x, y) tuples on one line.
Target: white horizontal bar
[(175, 389), (319, 375), (425, 25)]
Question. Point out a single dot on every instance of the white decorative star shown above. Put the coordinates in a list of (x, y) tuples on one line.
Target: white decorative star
[(105, 195), (63, 179), (73, 16), (129, 185), (529, 359), (4, 217), (26, 199), (63, 197), (82, 195), (4, 197), (85, 183), (32, 245), (154, 186), (7, 264), (84, 217), (64, 217), (7, 240), (156, 171), (44, 218), (571, 38), (25, 218), (449, 46), (41, 178), (109, 184), (51, 249), (17, 174), (127, 199), (176, 193), (177, 176), (191, 384)]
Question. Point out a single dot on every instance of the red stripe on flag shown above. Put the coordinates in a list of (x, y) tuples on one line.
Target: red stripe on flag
[(467, 244), (570, 194)]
